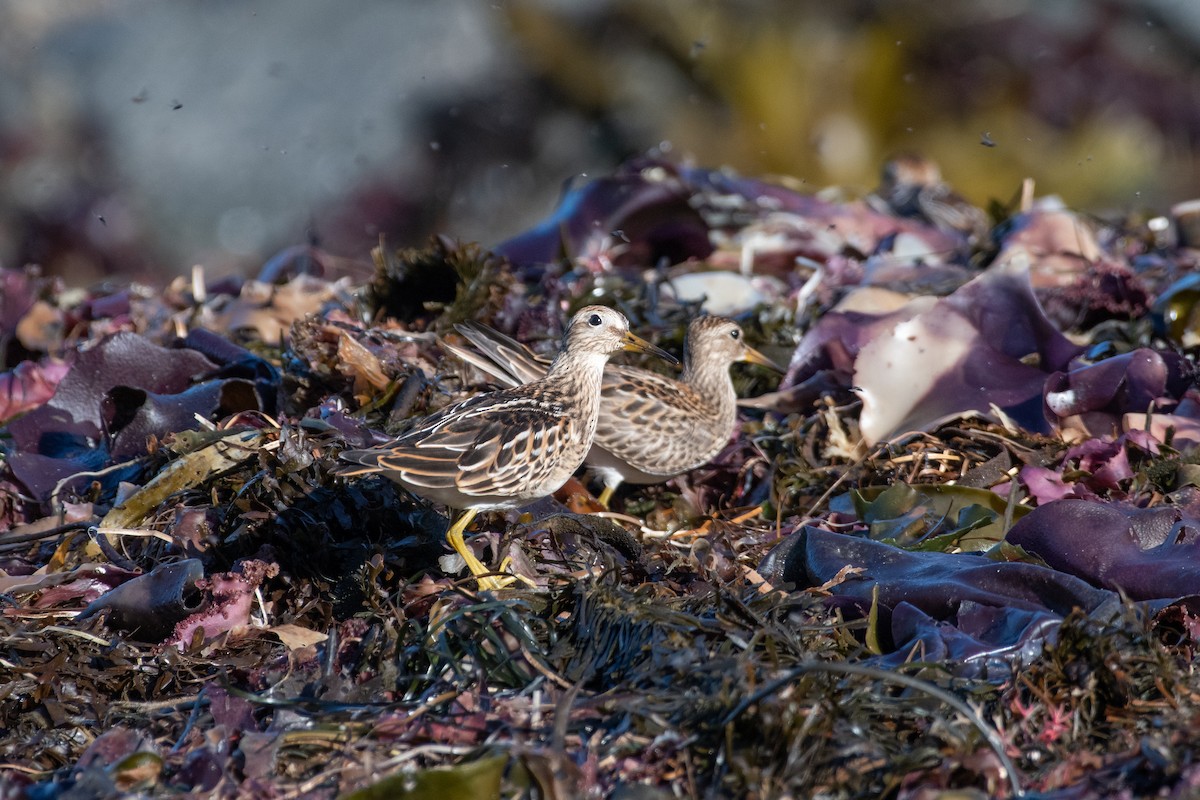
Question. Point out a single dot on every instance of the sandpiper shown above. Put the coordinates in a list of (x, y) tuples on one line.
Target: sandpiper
[(650, 427), (505, 448)]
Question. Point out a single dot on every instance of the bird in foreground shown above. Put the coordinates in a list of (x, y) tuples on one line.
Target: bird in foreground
[(650, 427), (505, 448)]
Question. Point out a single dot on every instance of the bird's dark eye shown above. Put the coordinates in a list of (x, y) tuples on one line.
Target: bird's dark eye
[(594, 320), (735, 334)]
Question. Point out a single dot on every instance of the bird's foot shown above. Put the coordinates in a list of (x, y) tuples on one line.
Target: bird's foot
[(490, 583)]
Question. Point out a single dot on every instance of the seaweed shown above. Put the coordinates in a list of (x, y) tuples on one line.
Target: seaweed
[(991, 598)]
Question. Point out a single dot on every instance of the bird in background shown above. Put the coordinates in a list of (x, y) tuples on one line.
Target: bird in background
[(650, 427), (506, 448), (911, 185)]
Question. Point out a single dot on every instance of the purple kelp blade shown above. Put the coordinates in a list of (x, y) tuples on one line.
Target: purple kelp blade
[(984, 614)]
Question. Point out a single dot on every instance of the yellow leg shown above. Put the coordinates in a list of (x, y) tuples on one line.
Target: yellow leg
[(509, 578), (606, 496), (481, 572)]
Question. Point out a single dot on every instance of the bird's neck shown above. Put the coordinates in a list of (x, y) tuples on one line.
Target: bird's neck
[(576, 380), (582, 371), (567, 363), (710, 381)]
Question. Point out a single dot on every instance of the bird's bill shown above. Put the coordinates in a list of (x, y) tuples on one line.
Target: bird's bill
[(640, 345), (755, 357)]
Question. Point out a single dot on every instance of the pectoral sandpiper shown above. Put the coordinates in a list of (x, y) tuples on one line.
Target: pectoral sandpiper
[(650, 427), (505, 448)]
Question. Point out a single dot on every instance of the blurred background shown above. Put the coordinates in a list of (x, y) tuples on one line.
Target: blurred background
[(138, 138)]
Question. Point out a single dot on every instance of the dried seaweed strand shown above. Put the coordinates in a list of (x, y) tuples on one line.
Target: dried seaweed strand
[(95, 473), (16, 541), (144, 532), (90, 637), (820, 501), (993, 739), (197, 704)]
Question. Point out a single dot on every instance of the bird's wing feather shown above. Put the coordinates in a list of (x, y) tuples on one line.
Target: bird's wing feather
[(484, 446), (646, 417), (500, 356)]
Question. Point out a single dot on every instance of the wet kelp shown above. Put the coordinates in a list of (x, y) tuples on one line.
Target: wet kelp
[(951, 551)]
